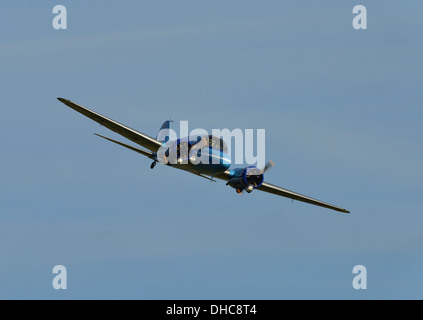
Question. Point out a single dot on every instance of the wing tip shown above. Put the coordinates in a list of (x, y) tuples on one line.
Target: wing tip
[(64, 101)]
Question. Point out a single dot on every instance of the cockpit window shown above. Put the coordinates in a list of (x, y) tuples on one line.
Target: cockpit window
[(217, 143)]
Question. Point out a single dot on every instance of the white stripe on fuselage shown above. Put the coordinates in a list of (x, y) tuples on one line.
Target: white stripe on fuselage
[(219, 157)]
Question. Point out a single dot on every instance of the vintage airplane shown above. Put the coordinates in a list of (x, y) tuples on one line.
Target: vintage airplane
[(207, 147)]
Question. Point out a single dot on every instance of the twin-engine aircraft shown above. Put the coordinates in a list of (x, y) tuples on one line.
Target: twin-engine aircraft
[(211, 148)]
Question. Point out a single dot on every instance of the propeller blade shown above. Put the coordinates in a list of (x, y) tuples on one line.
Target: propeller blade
[(269, 165)]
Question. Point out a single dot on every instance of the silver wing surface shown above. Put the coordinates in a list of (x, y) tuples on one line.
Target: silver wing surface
[(131, 134), (270, 188), (143, 152)]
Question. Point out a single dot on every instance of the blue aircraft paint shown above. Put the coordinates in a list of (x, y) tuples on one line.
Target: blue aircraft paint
[(211, 165)]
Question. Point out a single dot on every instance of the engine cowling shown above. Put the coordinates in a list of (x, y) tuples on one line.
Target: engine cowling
[(247, 179), (253, 177)]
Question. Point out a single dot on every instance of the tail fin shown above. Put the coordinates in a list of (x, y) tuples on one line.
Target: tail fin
[(163, 134)]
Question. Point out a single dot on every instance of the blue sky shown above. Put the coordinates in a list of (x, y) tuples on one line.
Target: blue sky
[(342, 113)]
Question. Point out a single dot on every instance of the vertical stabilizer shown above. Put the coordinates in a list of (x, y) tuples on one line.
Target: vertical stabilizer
[(163, 134)]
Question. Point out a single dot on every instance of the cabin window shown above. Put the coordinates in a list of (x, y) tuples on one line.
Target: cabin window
[(218, 144)]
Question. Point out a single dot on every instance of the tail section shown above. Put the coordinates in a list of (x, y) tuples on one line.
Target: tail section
[(163, 134)]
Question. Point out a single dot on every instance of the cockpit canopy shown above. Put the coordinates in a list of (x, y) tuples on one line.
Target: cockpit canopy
[(213, 142), (217, 143)]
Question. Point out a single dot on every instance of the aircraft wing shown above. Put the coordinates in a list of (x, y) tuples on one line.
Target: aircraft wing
[(140, 151), (131, 134), (270, 188)]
